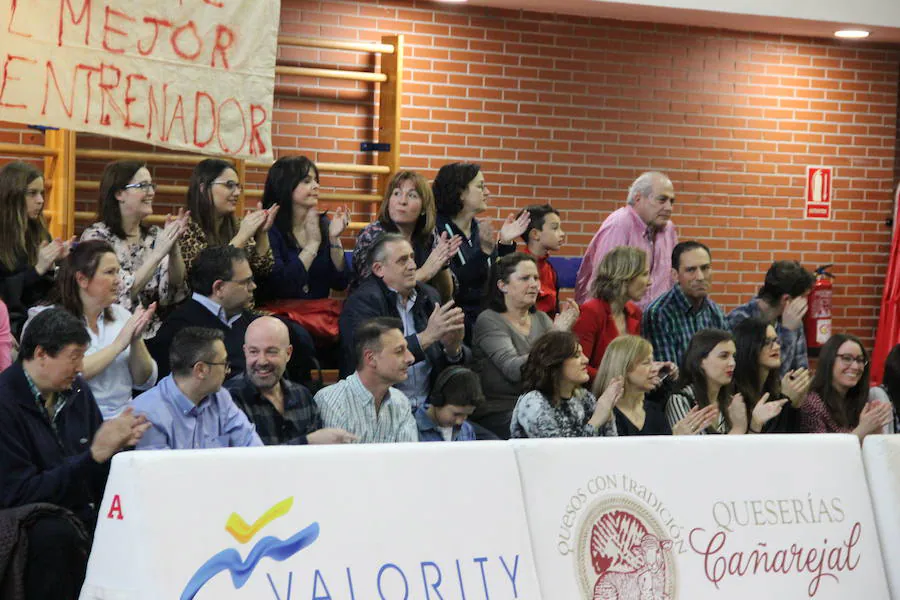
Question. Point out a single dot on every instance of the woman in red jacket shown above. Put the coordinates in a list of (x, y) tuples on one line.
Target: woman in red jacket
[(621, 280)]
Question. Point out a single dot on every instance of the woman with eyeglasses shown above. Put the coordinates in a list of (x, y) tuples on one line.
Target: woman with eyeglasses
[(837, 399), (408, 208), (757, 375), (212, 198), (28, 255), (152, 269), (460, 195), (706, 378), (116, 361)]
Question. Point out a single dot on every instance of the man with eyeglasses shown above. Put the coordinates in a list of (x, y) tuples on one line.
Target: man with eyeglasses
[(190, 409), (223, 286), (644, 223)]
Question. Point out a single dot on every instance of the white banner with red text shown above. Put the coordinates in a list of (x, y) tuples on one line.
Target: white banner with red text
[(701, 518), (194, 75)]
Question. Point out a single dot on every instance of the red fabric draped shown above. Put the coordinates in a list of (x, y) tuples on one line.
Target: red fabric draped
[(888, 333)]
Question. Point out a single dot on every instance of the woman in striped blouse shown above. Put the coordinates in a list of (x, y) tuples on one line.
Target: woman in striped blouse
[(707, 378)]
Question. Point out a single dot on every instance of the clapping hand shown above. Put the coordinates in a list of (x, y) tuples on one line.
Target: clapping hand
[(172, 231), (339, 223), (696, 420), (123, 431), (513, 227), (442, 252), (764, 411), (874, 417), (795, 385), (486, 236), (607, 400), (567, 317), (445, 322), (737, 414)]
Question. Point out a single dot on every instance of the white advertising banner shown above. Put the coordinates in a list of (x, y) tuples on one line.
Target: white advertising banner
[(705, 517), (392, 522), (882, 457), (195, 75)]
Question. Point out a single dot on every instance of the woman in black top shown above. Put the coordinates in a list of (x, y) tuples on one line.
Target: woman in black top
[(631, 358), (28, 255), (757, 372), (460, 194)]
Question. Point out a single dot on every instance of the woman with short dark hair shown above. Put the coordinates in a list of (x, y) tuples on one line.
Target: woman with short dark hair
[(116, 360), (152, 268), (838, 395), (460, 194), (555, 403), (504, 334)]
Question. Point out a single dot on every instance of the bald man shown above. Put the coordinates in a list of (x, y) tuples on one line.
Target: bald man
[(645, 222), (283, 411)]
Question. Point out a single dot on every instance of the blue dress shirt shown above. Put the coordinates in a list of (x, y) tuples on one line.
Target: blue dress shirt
[(179, 424)]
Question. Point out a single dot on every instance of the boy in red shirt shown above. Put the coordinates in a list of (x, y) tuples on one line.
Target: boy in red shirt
[(544, 235)]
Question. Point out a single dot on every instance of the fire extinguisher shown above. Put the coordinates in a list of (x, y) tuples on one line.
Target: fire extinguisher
[(817, 322)]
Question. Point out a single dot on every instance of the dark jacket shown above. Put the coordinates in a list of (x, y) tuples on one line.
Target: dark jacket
[(38, 464), (373, 299), (14, 523), (193, 314), (471, 269), (290, 279), (22, 288)]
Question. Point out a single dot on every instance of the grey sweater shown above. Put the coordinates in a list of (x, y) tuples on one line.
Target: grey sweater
[(500, 351)]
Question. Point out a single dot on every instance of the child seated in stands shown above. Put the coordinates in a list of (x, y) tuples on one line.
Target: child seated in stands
[(453, 399), (544, 235)]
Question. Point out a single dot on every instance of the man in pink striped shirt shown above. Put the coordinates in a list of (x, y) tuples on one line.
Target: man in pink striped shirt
[(643, 223)]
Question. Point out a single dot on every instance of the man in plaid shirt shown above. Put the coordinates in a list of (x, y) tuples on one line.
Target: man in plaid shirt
[(283, 411), (672, 319)]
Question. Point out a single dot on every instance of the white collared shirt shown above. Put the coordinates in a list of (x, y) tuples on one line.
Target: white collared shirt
[(112, 386), (216, 309)]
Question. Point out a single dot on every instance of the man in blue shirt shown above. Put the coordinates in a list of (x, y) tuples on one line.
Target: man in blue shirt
[(190, 408)]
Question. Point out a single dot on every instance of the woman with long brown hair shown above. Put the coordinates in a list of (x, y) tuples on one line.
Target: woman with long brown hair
[(838, 395), (28, 255), (212, 197), (116, 360)]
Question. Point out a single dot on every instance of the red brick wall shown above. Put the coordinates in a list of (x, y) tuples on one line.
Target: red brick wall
[(569, 110)]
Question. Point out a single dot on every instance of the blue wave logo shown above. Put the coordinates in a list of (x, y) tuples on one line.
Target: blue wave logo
[(230, 559)]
